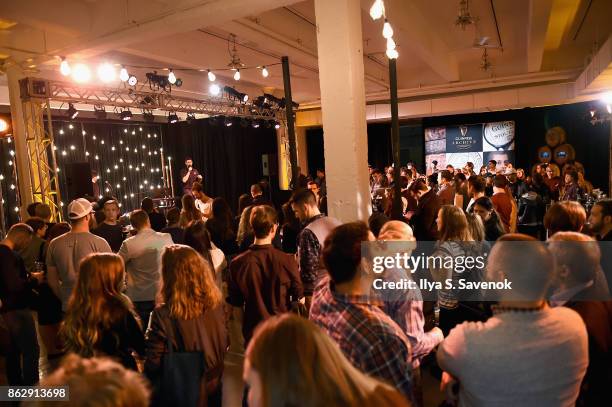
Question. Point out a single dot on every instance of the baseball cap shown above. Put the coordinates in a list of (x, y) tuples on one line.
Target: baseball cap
[(79, 208)]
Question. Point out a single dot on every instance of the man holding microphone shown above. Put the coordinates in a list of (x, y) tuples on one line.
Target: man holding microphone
[(189, 175)]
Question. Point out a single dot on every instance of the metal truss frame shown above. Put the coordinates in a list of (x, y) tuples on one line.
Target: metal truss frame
[(44, 180), (140, 98)]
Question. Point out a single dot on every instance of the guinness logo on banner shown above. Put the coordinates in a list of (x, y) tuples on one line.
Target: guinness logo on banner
[(464, 138), (499, 136)]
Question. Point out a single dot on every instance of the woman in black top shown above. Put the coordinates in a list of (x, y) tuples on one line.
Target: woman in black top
[(100, 320), (494, 228), (192, 320), (221, 228)]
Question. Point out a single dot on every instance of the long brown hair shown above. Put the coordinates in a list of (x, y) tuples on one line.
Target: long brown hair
[(96, 303), (188, 284), (189, 211), (454, 224), (299, 365), (198, 238)]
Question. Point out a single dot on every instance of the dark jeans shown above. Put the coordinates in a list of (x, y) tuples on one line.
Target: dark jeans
[(23, 352), (144, 309)]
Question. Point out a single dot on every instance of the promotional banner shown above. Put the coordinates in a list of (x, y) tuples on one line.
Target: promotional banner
[(475, 143)]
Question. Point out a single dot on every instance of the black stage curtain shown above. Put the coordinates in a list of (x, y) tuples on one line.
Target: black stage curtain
[(230, 158), (379, 147)]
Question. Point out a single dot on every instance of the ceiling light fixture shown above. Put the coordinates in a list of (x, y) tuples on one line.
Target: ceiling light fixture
[(387, 30), (65, 67), (237, 75), (125, 115), (211, 76), (123, 74), (172, 118), (81, 73), (377, 10), (242, 97), (464, 18), (100, 112), (171, 77), (132, 80), (72, 112), (106, 72), (264, 72), (214, 89)]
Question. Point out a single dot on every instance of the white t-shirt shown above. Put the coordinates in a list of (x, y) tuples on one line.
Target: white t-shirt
[(518, 359), (219, 263), (204, 207)]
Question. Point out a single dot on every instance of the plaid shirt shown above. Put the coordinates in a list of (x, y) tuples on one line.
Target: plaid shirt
[(366, 335)]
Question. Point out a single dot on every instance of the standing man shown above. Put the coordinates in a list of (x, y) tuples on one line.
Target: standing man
[(142, 257), (202, 201), (257, 194), (66, 251), (263, 280), (110, 230), (15, 293), (446, 191), (315, 229), (189, 175), (158, 220)]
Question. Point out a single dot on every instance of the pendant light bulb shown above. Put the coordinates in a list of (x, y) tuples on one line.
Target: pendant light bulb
[(211, 76), (377, 10), (387, 30), (392, 54), (65, 67), (264, 72), (237, 75), (171, 77), (123, 74)]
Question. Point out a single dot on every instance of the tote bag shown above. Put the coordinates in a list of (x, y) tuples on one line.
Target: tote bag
[(182, 381)]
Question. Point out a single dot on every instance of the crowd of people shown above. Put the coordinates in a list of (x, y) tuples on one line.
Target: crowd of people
[(138, 314)]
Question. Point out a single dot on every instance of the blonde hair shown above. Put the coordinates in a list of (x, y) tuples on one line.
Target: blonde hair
[(454, 224), (244, 227), (96, 303), (97, 382), (188, 283), (476, 227), (300, 365)]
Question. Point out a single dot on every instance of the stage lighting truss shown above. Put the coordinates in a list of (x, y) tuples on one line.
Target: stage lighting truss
[(141, 98)]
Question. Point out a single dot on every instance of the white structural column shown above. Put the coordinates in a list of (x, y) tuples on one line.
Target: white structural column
[(341, 77)]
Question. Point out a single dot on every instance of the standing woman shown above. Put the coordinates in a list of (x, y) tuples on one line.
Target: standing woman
[(221, 227), (198, 238), (189, 212), (455, 241), (100, 320), (462, 198), (494, 227), (191, 318)]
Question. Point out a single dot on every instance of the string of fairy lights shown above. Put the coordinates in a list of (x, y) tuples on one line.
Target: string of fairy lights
[(9, 191), (128, 160)]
